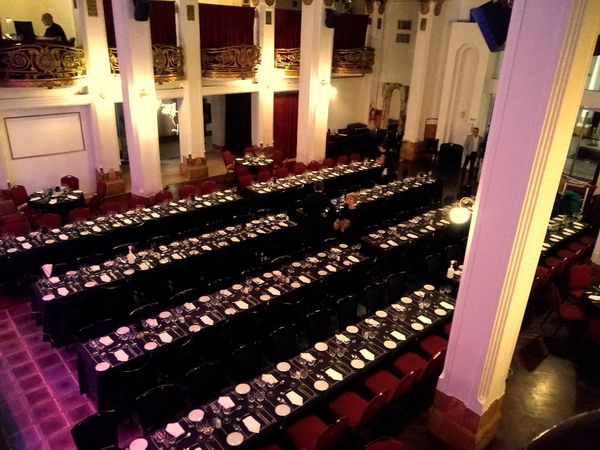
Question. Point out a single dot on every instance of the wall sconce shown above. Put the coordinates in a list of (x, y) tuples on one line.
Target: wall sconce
[(462, 213), (143, 93)]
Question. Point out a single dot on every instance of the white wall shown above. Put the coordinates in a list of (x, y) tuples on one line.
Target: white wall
[(61, 10), (351, 103)]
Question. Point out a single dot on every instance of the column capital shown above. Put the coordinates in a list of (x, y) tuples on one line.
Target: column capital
[(426, 6)]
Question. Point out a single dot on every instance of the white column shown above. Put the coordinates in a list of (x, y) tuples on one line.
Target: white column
[(413, 130), (316, 46), (263, 100), (191, 114), (139, 99), (595, 258), (539, 92), (102, 88), (375, 40)]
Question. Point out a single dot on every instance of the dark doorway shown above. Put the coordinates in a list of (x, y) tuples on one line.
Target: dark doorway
[(238, 122)]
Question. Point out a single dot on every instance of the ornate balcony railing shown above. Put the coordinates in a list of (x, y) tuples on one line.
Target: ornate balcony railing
[(40, 65), (288, 59), (236, 61), (353, 61), (166, 59)]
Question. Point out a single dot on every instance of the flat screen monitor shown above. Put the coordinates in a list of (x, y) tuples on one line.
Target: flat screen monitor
[(24, 28)]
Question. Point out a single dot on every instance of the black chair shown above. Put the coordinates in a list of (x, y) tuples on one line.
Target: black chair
[(246, 361), (205, 382), (578, 432), (397, 285), (157, 241), (453, 253), (95, 330), (448, 200), (318, 325), (117, 299), (374, 298), (184, 296), (173, 360), (96, 432), (121, 388), (282, 343), (158, 406), (145, 311), (347, 311), (90, 260), (123, 249), (433, 267)]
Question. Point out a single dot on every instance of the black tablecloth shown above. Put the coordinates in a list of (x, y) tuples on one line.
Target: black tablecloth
[(56, 202), (561, 230), (288, 389)]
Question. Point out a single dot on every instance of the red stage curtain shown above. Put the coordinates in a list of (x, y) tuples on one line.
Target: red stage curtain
[(287, 28), (222, 26), (162, 23), (351, 31), (285, 123)]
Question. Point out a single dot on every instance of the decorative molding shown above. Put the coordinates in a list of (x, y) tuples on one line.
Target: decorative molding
[(426, 6), (437, 10), (288, 59), (255, 2), (270, 2), (382, 4), (92, 8), (353, 61), (329, 2), (167, 62), (236, 61), (45, 65), (387, 92), (307, 2), (370, 6), (191, 13)]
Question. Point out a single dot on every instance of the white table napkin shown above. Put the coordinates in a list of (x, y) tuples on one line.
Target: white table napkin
[(152, 322), (274, 291), (304, 279), (165, 337), (226, 402), (175, 430), (53, 201), (189, 306), (257, 280), (121, 355), (54, 280), (398, 335), (307, 357), (252, 424), (225, 292), (342, 338), (334, 375), (207, 320), (424, 319), (446, 305), (106, 278), (268, 378), (96, 228), (294, 398), (206, 248), (330, 268), (105, 340), (26, 245), (241, 304), (63, 291), (367, 354)]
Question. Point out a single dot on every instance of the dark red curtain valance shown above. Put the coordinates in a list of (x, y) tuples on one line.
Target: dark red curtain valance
[(285, 123), (350, 31), (162, 23), (287, 28), (222, 26)]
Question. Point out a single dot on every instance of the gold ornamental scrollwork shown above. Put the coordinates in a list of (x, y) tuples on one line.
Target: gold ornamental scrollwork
[(329, 2), (269, 2), (381, 8), (307, 2), (41, 65), (370, 7), (288, 59), (426, 6), (236, 61), (255, 2), (167, 62), (354, 61)]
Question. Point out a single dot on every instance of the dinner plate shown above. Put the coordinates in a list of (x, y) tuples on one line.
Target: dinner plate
[(48, 297), (594, 297), (242, 388), (236, 438), (237, 287), (196, 415), (265, 297), (139, 444), (357, 363), (384, 245), (164, 314), (322, 272), (150, 345), (429, 287), (296, 264), (296, 285), (268, 275), (129, 272), (352, 329), (122, 330), (321, 255), (204, 298), (321, 346), (440, 311), (282, 410), (321, 385), (283, 366), (381, 314), (195, 328), (230, 311), (390, 344), (90, 284), (416, 326), (406, 300), (101, 367)]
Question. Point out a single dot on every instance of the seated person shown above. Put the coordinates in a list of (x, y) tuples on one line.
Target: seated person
[(54, 32), (348, 222)]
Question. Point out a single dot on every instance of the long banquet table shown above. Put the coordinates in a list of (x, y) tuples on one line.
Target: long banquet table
[(97, 361), (561, 230), (247, 412), (98, 234), (52, 294), (283, 192)]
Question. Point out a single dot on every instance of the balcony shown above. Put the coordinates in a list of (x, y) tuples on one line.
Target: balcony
[(288, 59), (354, 61), (40, 65), (236, 61), (167, 61)]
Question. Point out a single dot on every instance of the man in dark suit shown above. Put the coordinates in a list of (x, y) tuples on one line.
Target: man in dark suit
[(54, 32), (319, 213)]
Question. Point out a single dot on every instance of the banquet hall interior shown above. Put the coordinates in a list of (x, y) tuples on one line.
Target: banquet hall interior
[(174, 278)]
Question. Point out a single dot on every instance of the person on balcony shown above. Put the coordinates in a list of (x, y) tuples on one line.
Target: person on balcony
[(54, 32)]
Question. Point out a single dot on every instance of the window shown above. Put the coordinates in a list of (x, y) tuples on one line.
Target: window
[(404, 25), (403, 38)]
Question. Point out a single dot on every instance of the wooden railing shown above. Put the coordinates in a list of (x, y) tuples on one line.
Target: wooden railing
[(288, 59), (236, 61), (167, 62), (353, 61), (40, 65)]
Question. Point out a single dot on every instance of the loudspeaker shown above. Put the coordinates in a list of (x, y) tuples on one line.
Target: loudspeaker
[(331, 18), (493, 19), (141, 10)]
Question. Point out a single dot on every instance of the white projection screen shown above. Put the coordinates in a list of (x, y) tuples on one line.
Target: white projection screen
[(43, 135)]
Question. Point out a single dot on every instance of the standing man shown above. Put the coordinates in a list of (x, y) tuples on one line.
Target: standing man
[(54, 32), (471, 149)]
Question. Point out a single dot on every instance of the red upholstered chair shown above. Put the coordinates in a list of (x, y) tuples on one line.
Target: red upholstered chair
[(580, 278), (567, 312), (71, 181), (250, 150), (49, 221), (278, 159), (358, 410), (385, 444), (342, 159), (311, 433), (282, 172), (564, 253), (328, 162), (109, 208), (447, 328), (11, 218), (229, 162), (409, 362), (80, 214), (94, 204), (299, 168), (137, 201), (314, 165), (163, 196), (579, 249), (264, 175), (187, 191), (587, 240), (433, 344), (19, 196), (356, 157), (396, 387), (245, 181), (542, 276), (31, 214), (559, 264), (101, 190), (208, 187), (16, 228), (241, 170)]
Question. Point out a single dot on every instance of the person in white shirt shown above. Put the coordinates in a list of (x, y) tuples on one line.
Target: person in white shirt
[(471, 149)]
